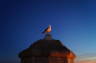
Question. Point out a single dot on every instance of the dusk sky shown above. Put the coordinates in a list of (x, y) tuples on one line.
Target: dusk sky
[(22, 21)]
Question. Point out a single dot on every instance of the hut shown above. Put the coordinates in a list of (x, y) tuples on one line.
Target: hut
[(47, 50)]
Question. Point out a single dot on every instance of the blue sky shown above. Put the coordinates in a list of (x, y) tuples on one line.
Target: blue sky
[(22, 21)]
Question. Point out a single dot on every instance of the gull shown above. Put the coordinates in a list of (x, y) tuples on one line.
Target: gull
[(47, 30)]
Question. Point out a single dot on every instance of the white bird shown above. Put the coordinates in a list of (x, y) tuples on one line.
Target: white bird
[(47, 30)]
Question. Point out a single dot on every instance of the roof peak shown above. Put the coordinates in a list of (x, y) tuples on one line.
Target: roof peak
[(48, 37)]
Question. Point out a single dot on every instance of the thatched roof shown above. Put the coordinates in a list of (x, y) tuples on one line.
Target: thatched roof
[(44, 48)]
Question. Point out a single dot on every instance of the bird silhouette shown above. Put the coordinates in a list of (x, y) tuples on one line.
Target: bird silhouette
[(47, 30)]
